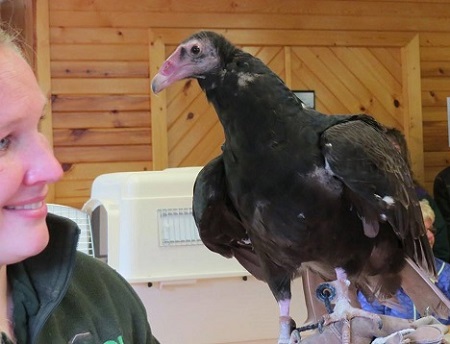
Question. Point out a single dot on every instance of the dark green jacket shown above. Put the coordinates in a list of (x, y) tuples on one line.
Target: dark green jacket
[(441, 189), (64, 296)]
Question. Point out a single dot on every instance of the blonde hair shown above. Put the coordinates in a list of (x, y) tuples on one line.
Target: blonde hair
[(427, 211), (10, 37)]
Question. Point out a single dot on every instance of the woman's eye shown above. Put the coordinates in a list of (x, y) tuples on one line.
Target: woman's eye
[(195, 49), (4, 143)]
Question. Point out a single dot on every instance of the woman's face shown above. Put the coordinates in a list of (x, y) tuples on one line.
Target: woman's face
[(430, 237), (27, 164), (429, 228)]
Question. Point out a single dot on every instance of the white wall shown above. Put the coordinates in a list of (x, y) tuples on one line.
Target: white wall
[(216, 310)]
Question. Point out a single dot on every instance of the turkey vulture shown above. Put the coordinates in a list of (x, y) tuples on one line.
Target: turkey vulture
[(296, 187)]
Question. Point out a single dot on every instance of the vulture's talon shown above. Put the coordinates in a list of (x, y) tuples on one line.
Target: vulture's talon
[(380, 324), (320, 325), (296, 338), (287, 326)]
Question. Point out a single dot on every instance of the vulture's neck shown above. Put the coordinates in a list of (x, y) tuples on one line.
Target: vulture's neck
[(256, 110)]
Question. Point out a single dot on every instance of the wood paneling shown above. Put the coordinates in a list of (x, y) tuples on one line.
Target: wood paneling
[(99, 69), (92, 52), (412, 106), (158, 107), (93, 86), (101, 119), (123, 36), (103, 137), (100, 103), (351, 80), (350, 52), (104, 153), (299, 37), (400, 8), (261, 20)]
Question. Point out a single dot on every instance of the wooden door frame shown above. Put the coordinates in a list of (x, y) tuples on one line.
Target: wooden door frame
[(408, 43)]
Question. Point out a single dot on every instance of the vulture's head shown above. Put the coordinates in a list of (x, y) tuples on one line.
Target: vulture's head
[(200, 55)]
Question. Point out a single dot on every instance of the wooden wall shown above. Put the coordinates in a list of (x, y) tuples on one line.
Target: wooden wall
[(99, 69)]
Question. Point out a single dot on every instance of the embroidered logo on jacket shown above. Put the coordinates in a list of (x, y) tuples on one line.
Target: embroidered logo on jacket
[(119, 340)]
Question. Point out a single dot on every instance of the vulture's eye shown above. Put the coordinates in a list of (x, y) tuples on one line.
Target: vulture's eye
[(195, 49)]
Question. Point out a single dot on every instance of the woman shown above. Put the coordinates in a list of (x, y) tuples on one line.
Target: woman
[(408, 310), (49, 292)]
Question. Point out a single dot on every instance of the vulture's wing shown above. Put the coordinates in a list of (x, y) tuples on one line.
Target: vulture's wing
[(219, 225), (378, 182)]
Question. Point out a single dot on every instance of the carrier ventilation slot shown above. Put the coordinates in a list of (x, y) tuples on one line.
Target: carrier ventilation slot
[(177, 227)]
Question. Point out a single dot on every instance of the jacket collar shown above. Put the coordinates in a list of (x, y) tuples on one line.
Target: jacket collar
[(39, 283)]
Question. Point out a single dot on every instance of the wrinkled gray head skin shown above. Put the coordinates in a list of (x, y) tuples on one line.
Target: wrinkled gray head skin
[(194, 58)]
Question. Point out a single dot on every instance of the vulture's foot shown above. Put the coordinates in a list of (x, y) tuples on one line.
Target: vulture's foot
[(295, 337), (287, 325), (343, 310), (345, 316)]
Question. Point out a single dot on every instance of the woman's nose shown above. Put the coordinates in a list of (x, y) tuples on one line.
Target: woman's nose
[(43, 166)]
